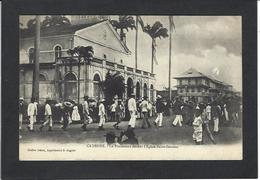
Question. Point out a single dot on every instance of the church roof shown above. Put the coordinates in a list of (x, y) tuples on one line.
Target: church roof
[(57, 30)]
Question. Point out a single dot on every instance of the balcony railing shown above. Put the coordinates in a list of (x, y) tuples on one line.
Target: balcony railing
[(99, 61), (120, 66), (138, 71), (145, 73), (129, 69), (110, 64), (67, 60)]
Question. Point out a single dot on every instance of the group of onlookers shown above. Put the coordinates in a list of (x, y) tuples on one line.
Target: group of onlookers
[(198, 115)]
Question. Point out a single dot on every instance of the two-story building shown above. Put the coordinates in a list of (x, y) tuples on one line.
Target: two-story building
[(60, 80), (196, 86)]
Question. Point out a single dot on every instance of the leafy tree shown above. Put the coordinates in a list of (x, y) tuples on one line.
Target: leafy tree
[(155, 31), (113, 85), (55, 20), (49, 21), (123, 23)]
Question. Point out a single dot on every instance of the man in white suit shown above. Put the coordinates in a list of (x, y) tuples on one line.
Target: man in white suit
[(132, 110), (32, 112), (102, 114)]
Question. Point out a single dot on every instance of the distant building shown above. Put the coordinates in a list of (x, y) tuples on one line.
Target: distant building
[(59, 80), (196, 86)]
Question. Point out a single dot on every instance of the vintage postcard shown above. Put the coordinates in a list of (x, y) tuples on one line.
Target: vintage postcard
[(130, 87)]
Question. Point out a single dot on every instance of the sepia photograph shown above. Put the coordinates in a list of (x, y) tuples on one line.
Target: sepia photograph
[(130, 87)]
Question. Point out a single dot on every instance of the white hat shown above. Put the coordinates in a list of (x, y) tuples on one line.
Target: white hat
[(21, 98), (102, 100), (68, 104), (159, 97)]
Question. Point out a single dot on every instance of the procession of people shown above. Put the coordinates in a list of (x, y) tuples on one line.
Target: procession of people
[(199, 115)]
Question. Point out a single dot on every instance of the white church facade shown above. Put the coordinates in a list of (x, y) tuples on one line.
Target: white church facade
[(59, 80)]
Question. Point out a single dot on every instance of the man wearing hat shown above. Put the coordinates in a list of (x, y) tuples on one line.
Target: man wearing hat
[(48, 115), (178, 112), (159, 109), (66, 109), (118, 113), (32, 112), (132, 110), (144, 109), (85, 113), (102, 114), (111, 138), (130, 137), (21, 112)]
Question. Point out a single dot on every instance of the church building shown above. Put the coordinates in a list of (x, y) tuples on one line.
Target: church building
[(60, 79)]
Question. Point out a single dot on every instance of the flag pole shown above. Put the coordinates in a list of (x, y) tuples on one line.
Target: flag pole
[(136, 38), (170, 54)]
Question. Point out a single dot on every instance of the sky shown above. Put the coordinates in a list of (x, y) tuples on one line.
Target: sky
[(210, 44)]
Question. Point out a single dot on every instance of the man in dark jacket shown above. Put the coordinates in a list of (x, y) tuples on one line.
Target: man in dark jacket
[(178, 113), (160, 107)]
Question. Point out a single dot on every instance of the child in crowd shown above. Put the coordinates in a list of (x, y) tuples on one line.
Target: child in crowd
[(75, 114)]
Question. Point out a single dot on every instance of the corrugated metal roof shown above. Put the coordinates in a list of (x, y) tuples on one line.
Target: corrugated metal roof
[(191, 73)]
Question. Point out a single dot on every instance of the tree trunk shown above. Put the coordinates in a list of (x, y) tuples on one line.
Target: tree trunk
[(170, 60), (122, 36), (35, 90), (153, 44), (79, 81)]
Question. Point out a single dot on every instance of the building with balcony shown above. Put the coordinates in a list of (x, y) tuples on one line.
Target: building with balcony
[(196, 86), (62, 79)]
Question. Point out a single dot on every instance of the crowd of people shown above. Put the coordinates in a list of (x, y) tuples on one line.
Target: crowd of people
[(226, 111)]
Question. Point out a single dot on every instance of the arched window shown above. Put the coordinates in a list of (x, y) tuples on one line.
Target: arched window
[(151, 93), (138, 90), (96, 88), (57, 51), (31, 55), (130, 88), (70, 86), (42, 77), (145, 89)]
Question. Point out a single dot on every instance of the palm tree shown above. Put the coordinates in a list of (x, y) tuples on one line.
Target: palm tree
[(155, 31), (31, 24), (55, 20), (87, 54), (113, 85), (124, 22)]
